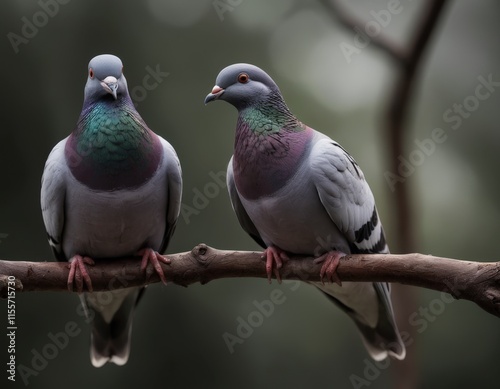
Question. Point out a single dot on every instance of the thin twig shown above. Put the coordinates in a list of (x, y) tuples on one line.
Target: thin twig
[(351, 22)]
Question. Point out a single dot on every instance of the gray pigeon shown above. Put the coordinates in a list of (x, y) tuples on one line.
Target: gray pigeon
[(296, 191), (110, 189)]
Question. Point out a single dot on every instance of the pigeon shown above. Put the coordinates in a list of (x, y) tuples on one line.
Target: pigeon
[(297, 191), (111, 189)]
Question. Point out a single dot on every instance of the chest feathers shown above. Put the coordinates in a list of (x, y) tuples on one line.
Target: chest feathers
[(269, 148), (112, 151)]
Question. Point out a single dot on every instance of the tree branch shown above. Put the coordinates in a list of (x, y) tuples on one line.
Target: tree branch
[(396, 125), (351, 22), (408, 59), (408, 62), (475, 281), (397, 114)]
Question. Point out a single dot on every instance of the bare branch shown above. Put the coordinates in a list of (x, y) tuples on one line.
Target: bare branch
[(397, 114), (475, 281), (351, 22), (408, 59)]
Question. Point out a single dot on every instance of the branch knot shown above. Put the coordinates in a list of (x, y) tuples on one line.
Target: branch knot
[(202, 254)]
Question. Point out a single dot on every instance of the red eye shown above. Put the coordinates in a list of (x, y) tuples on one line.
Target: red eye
[(243, 78), (91, 73)]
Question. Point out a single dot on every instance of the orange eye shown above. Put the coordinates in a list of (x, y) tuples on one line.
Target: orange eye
[(91, 73), (243, 78)]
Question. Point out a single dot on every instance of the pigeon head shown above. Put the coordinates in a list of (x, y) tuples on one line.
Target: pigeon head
[(242, 85), (105, 78)]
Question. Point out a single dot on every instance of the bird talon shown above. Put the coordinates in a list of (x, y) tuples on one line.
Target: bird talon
[(151, 256), (164, 259), (78, 273), (274, 261), (278, 275), (331, 261)]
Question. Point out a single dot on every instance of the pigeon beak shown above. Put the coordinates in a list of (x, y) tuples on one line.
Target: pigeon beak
[(110, 85), (217, 91)]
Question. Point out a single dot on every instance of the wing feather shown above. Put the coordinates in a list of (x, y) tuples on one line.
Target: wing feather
[(53, 197), (346, 196), (174, 192)]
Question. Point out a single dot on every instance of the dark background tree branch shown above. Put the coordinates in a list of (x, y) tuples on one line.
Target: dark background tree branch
[(408, 59), (475, 281)]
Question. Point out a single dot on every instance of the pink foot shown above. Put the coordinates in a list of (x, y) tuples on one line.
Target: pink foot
[(149, 255), (78, 273), (331, 261), (274, 255)]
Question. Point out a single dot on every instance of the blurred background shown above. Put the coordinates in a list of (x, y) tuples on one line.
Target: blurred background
[(178, 335)]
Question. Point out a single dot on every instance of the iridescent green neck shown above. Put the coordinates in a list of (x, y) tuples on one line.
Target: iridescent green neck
[(270, 117), (113, 148), (270, 145), (112, 133)]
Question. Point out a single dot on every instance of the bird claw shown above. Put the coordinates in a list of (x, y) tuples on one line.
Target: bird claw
[(149, 255), (274, 255), (330, 262), (78, 273)]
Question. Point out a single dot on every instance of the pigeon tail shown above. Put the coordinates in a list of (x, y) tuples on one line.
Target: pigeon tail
[(110, 339), (383, 340), (106, 348)]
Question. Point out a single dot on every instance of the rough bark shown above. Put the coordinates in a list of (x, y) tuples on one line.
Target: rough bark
[(475, 281)]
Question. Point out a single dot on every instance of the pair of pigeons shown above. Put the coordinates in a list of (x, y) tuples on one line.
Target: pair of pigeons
[(113, 188)]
